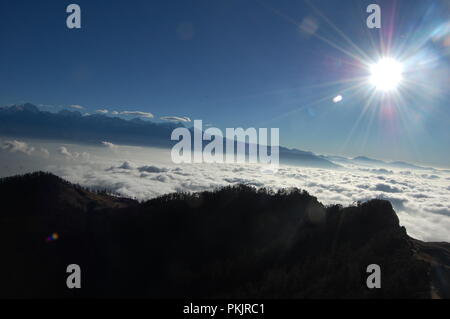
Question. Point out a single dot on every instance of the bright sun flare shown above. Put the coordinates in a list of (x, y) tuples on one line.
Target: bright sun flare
[(386, 74)]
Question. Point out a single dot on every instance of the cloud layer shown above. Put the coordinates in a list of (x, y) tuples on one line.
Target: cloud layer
[(421, 198)]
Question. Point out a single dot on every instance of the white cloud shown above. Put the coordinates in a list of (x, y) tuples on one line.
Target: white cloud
[(176, 118), (63, 151), (77, 107), (83, 156), (109, 145), (17, 147), (138, 113), (377, 170), (102, 111)]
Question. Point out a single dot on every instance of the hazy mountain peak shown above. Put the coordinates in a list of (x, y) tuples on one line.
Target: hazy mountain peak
[(365, 159), (26, 107)]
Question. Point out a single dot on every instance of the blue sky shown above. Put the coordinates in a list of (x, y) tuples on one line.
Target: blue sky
[(238, 63)]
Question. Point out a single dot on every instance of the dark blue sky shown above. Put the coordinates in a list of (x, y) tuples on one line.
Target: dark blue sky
[(238, 63)]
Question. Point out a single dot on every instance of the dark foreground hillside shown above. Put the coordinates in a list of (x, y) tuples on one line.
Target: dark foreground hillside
[(234, 242)]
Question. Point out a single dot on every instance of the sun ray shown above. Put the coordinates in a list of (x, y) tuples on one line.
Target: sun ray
[(345, 92), (339, 32), (363, 112), (386, 81), (363, 58)]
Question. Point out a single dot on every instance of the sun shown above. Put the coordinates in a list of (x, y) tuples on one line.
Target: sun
[(386, 74)]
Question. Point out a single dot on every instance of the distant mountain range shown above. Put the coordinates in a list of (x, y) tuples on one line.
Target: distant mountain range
[(236, 242), (26, 120), (366, 161), (397, 164)]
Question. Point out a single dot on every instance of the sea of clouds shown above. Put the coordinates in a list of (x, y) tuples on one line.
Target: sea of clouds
[(421, 198)]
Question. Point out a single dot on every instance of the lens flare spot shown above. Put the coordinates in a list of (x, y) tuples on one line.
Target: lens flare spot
[(52, 237), (337, 98)]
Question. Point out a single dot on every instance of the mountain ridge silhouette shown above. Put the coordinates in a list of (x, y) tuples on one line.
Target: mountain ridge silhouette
[(233, 242)]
